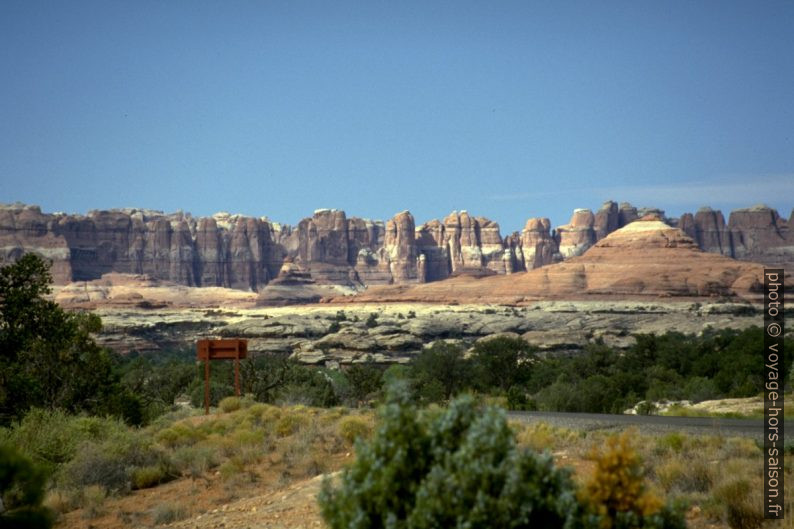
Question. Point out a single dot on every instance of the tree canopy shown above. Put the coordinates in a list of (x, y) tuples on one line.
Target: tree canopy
[(48, 357)]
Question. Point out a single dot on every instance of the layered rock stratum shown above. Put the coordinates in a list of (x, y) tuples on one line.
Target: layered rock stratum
[(645, 259), (330, 250), (646, 277), (332, 335)]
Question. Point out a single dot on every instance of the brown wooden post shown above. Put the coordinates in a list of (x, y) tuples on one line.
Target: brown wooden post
[(207, 385), (237, 373)]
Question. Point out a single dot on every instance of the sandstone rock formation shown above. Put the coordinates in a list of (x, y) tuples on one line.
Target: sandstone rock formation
[(400, 248), (247, 253), (626, 214), (708, 229), (759, 233), (461, 244), (25, 229), (578, 235), (645, 259), (607, 220), (537, 245)]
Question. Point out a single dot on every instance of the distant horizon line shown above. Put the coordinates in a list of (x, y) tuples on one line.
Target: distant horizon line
[(222, 214)]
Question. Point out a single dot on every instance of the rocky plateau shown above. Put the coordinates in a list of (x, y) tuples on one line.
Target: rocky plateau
[(331, 335)]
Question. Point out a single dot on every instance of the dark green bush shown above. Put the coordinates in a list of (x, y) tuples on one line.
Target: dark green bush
[(364, 382), (671, 366), (155, 381), (502, 362), (21, 492), (274, 378), (440, 372), (560, 396), (517, 399), (457, 468)]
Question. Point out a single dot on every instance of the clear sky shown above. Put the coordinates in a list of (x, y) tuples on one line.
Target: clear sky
[(506, 109)]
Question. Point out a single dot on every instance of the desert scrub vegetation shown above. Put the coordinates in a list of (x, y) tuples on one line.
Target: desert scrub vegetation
[(461, 467), (229, 404), (353, 427), (542, 436), (721, 475), (86, 461), (165, 513), (717, 478), (617, 493)]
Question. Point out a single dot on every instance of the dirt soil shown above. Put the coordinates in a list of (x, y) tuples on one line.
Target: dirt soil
[(268, 497)]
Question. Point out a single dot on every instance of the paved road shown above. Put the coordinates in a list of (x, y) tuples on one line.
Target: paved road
[(646, 423)]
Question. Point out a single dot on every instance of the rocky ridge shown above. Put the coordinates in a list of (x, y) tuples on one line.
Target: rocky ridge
[(333, 335), (329, 248)]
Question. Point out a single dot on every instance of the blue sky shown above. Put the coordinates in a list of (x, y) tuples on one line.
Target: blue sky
[(506, 109)]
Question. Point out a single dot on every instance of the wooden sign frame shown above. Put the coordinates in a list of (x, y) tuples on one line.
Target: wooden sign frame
[(227, 349)]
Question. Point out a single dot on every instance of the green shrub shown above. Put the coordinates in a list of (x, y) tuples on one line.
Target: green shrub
[(672, 441), (502, 362), (364, 381), (149, 476), (195, 460), (542, 436), (21, 492), (352, 427), (51, 438), (440, 372), (180, 434), (229, 404), (49, 356), (232, 468), (166, 513), (291, 422), (372, 320), (110, 463), (457, 468), (48, 437), (93, 501), (559, 396), (742, 508), (517, 399)]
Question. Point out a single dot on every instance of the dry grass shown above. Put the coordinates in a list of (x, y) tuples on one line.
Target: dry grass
[(718, 478), (261, 448), (245, 447)]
